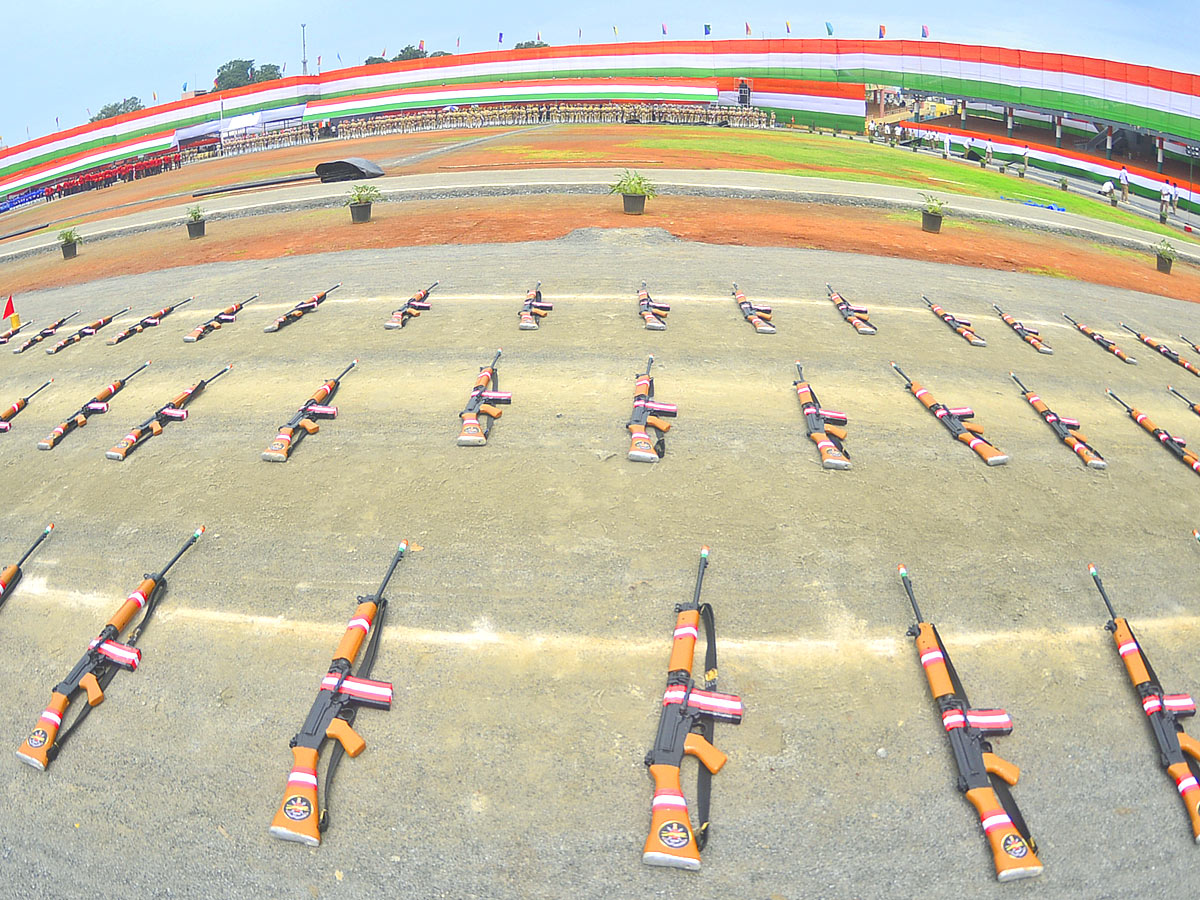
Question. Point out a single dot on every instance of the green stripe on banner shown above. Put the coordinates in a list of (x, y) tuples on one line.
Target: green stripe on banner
[(818, 120)]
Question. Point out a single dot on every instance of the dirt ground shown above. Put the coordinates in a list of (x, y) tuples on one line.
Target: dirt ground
[(528, 637), (747, 223)]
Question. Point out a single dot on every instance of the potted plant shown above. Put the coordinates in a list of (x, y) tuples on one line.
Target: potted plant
[(1003, 168), (70, 241), (1062, 184), (634, 188), (360, 200), (1165, 254), (195, 223), (1021, 171), (931, 215)]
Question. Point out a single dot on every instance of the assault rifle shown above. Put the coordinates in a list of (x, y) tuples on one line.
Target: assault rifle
[(1163, 712), (85, 331), (686, 726), (855, 315), (486, 389), (1162, 348), (10, 577), (535, 308), (1066, 429), (1176, 445), (960, 326), (758, 316), (1024, 332), (175, 410), (97, 668), (955, 420), (6, 336), (1102, 341), (825, 427), (332, 716), (46, 332), (11, 413), (413, 307), (304, 421), (652, 312), (642, 422), (98, 404), (1194, 407), (983, 776), (298, 311), (149, 321), (224, 317)]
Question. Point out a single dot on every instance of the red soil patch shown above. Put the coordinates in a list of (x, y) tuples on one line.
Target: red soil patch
[(760, 223)]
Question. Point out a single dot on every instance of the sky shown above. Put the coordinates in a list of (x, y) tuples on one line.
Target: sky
[(77, 55)]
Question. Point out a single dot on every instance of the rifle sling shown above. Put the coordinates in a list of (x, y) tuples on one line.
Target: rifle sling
[(707, 726), (349, 712), (108, 671)]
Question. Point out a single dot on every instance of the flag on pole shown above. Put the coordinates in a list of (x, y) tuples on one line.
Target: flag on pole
[(55, 125), (9, 309), (90, 111), (457, 43), (829, 28), (420, 45), (882, 31), (614, 31), (748, 32), (318, 63), (707, 30), (788, 26), (664, 25), (284, 70), (383, 52), (924, 31), (581, 34), (500, 39), (339, 56), (539, 37), (155, 94), (185, 85)]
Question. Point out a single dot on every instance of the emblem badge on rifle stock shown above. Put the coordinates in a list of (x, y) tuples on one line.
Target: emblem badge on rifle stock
[(38, 738), (1015, 847), (674, 835), (297, 808)]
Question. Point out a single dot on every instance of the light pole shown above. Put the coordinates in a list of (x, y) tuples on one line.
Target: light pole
[(303, 51), (1193, 153)]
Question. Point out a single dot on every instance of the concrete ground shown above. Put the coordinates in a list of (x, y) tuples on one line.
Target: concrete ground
[(528, 637)]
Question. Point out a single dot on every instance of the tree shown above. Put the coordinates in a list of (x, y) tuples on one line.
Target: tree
[(437, 53), (525, 45), (235, 73), (267, 72), (128, 105), (373, 60), (409, 52)]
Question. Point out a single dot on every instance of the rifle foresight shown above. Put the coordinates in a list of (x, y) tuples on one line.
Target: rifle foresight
[(906, 581), (1112, 615), (1013, 376), (901, 371)]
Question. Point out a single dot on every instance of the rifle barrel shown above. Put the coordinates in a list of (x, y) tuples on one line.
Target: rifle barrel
[(649, 363), (1180, 396), (436, 283), (348, 368), (901, 371), (904, 579), (182, 550), (1018, 381), (1130, 330), (1069, 319), (28, 553), (1128, 408), (401, 550), (1103, 593), (700, 575), (43, 387), (799, 370), (496, 358), (138, 369), (927, 303), (208, 381)]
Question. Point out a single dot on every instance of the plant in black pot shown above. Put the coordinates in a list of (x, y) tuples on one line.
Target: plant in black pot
[(634, 189), (931, 215), (360, 200), (1063, 184), (70, 239), (1165, 254), (195, 223)]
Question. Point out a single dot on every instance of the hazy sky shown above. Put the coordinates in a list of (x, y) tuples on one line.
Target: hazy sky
[(74, 55)]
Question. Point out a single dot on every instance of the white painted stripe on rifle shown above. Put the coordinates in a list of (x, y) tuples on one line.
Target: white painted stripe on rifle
[(921, 392), (1151, 705), (302, 778), (1187, 784), (952, 718), (51, 716), (996, 820), (137, 597), (669, 801), (685, 631), (931, 656), (999, 718), (1127, 648), (381, 690), (360, 622), (1178, 701)]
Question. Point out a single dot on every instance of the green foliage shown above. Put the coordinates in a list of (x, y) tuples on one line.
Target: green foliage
[(373, 60), (935, 206), (437, 53), (70, 235), (1164, 249), (196, 213), (108, 110), (363, 193), (633, 183), (409, 52), (234, 74), (526, 45), (267, 72)]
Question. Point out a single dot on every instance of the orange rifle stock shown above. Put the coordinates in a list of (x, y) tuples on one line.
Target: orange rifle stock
[(959, 326), (825, 427), (224, 317), (304, 421), (534, 309), (1066, 429), (175, 410), (10, 577), (1163, 349), (332, 716), (298, 311), (97, 405), (46, 332), (149, 321), (758, 316), (97, 668), (1102, 341), (1163, 712), (1025, 333), (983, 776), (857, 316), (86, 331), (686, 727), (11, 413), (653, 313), (1177, 445), (641, 422), (954, 418), (473, 434), (412, 308)]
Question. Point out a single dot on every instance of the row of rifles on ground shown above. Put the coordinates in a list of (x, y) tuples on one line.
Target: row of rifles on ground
[(647, 424), (690, 709)]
